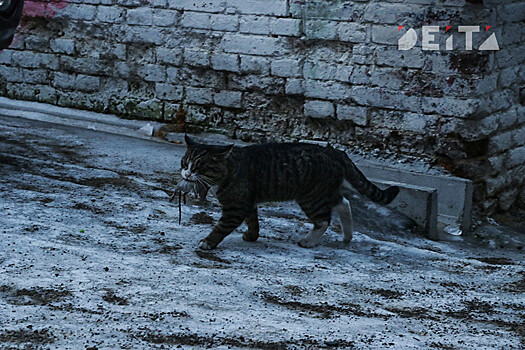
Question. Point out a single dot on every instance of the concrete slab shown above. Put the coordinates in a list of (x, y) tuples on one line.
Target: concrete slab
[(419, 203), (78, 118), (454, 194)]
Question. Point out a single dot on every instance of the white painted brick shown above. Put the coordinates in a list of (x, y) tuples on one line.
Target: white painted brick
[(322, 70), (393, 13), (511, 12), (200, 96), (516, 157), (384, 77), (352, 32), (251, 45), (36, 76), (287, 68), (286, 27), (391, 56), (63, 80), (387, 35), (172, 74), (231, 99), (152, 72), (196, 20), (258, 7), (197, 58), (226, 62), (214, 6), (379, 97), (507, 76), (501, 142), (319, 109), (227, 23), (169, 91), (66, 46), (255, 64), (28, 59), (360, 75), (451, 106), (87, 83), (359, 115), (255, 25), (321, 29), (6, 56), (79, 12), (11, 74), (110, 14), (518, 136), (170, 57), (136, 34), (154, 3), (328, 90), (294, 87), (165, 18)]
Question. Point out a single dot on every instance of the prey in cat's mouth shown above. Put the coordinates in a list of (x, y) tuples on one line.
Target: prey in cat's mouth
[(317, 178)]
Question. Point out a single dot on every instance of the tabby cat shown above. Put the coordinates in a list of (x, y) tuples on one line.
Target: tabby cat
[(316, 177)]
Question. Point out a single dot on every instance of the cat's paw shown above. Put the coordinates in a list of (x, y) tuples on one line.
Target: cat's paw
[(306, 243), (205, 245), (250, 236)]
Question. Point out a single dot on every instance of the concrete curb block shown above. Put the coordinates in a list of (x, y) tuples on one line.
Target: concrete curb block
[(77, 118), (417, 202), (454, 195)]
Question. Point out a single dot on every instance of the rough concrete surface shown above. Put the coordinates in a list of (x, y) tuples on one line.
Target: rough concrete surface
[(92, 256)]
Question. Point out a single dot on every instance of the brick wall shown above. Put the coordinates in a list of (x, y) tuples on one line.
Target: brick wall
[(293, 69)]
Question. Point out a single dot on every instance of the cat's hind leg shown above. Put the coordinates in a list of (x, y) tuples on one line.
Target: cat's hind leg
[(319, 212), (344, 211), (312, 238), (252, 220)]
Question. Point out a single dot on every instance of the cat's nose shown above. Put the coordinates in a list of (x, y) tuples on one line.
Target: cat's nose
[(185, 173)]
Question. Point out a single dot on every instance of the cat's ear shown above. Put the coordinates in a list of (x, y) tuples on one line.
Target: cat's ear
[(189, 141), (221, 150)]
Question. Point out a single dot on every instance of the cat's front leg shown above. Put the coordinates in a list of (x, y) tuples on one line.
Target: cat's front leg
[(229, 221), (252, 220)]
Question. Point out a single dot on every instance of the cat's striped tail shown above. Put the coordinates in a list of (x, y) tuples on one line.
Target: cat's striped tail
[(358, 180)]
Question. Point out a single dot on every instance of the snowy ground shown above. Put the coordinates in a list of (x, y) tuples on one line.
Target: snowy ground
[(92, 256)]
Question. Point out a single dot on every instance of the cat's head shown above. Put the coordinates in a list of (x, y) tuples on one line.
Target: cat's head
[(203, 162)]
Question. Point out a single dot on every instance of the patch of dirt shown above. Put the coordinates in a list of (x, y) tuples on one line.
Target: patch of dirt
[(33, 296), (168, 249), (112, 298), (159, 316), (479, 306), (211, 257), (416, 313), (453, 285), (495, 261), (386, 293), (27, 335), (202, 218), (518, 286), (91, 208), (209, 266), (294, 290), (441, 346), (322, 310), (237, 342)]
